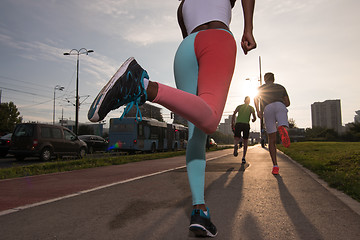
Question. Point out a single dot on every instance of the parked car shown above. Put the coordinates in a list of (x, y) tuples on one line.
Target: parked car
[(94, 143), (45, 141), (5, 144), (212, 143)]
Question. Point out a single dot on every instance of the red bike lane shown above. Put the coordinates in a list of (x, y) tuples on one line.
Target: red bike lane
[(21, 193)]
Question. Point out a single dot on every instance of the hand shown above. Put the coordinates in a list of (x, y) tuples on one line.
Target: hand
[(254, 119), (260, 115), (248, 42)]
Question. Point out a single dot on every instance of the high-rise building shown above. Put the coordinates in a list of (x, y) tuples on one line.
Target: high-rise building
[(225, 127), (327, 114)]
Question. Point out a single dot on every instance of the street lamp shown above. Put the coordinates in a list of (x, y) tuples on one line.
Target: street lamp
[(60, 88), (78, 53), (262, 130)]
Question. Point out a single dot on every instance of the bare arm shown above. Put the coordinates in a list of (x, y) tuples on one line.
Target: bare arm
[(233, 118), (257, 103), (254, 116), (248, 42), (286, 101), (181, 20)]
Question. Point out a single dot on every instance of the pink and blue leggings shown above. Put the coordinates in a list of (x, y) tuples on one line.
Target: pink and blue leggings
[(203, 67)]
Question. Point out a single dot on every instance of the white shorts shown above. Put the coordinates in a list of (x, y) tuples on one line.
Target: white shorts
[(275, 114)]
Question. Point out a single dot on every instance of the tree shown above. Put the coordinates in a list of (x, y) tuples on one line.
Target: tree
[(9, 117), (353, 133), (320, 133), (355, 127), (292, 123), (222, 138)]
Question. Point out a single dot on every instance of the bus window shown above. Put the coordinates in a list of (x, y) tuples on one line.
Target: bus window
[(123, 128), (177, 134), (154, 132), (140, 130), (147, 132)]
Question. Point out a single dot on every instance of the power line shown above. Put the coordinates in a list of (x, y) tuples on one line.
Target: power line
[(20, 91), (13, 79)]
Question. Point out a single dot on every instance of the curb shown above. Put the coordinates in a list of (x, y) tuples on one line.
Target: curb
[(347, 200)]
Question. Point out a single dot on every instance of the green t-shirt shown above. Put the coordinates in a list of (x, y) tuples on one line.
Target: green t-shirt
[(244, 112)]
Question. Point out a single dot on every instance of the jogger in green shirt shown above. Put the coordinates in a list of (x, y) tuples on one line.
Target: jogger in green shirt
[(243, 112)]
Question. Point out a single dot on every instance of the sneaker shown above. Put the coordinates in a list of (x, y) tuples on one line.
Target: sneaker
[(275, 170), (201, 225), (243, 160), (236, 150), (125, 87), (284, 136)]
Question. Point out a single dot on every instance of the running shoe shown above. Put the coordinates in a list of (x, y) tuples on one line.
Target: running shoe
[(243, 160), (125, 87), (275, 170), (236, 150), (201, 225), (284, 136)]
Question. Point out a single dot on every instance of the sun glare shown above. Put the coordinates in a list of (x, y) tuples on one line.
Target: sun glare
[(250, 89)]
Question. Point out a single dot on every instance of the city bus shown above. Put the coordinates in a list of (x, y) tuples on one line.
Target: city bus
[(177, 136), (148, 135)]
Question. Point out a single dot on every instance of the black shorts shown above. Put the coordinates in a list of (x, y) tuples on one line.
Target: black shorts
[(244, 128)]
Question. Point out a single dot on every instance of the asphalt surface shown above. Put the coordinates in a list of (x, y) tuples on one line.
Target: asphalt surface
[(152, 200)]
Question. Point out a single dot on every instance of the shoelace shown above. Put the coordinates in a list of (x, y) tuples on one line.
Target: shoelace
[(134, 102), (128, 108)]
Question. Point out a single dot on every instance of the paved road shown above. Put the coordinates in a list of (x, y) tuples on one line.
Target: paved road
[(246, 202)]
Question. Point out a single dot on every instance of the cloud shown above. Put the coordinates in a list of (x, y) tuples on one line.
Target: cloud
[(139, 22)]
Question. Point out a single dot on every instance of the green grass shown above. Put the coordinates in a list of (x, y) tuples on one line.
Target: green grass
[(338, 163), (87, 162)]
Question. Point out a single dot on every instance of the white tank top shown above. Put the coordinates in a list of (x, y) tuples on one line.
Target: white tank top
[(198, 12)]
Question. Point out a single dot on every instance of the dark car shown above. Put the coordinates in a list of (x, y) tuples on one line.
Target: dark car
[(94, 143), (45, 141), (5, 144)]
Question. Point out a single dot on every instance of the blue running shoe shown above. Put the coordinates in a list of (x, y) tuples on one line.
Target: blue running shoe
[(201, 225), (125, 87)]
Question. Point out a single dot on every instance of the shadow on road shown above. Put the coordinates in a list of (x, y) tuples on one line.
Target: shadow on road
[(217, 196), (304, 228)]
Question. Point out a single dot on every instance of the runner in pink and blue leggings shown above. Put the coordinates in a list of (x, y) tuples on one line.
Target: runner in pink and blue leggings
[(203, 68)]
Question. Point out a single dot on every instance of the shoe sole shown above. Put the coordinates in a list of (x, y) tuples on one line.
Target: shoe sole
[(284, 137), (236, 151), (93, 114), (200, 231)]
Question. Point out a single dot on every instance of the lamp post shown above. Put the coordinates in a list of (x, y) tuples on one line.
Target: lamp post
[(60, 88), (78, 53), (262, 130)]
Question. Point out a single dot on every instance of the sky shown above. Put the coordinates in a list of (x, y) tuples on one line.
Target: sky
[(312, 47)]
